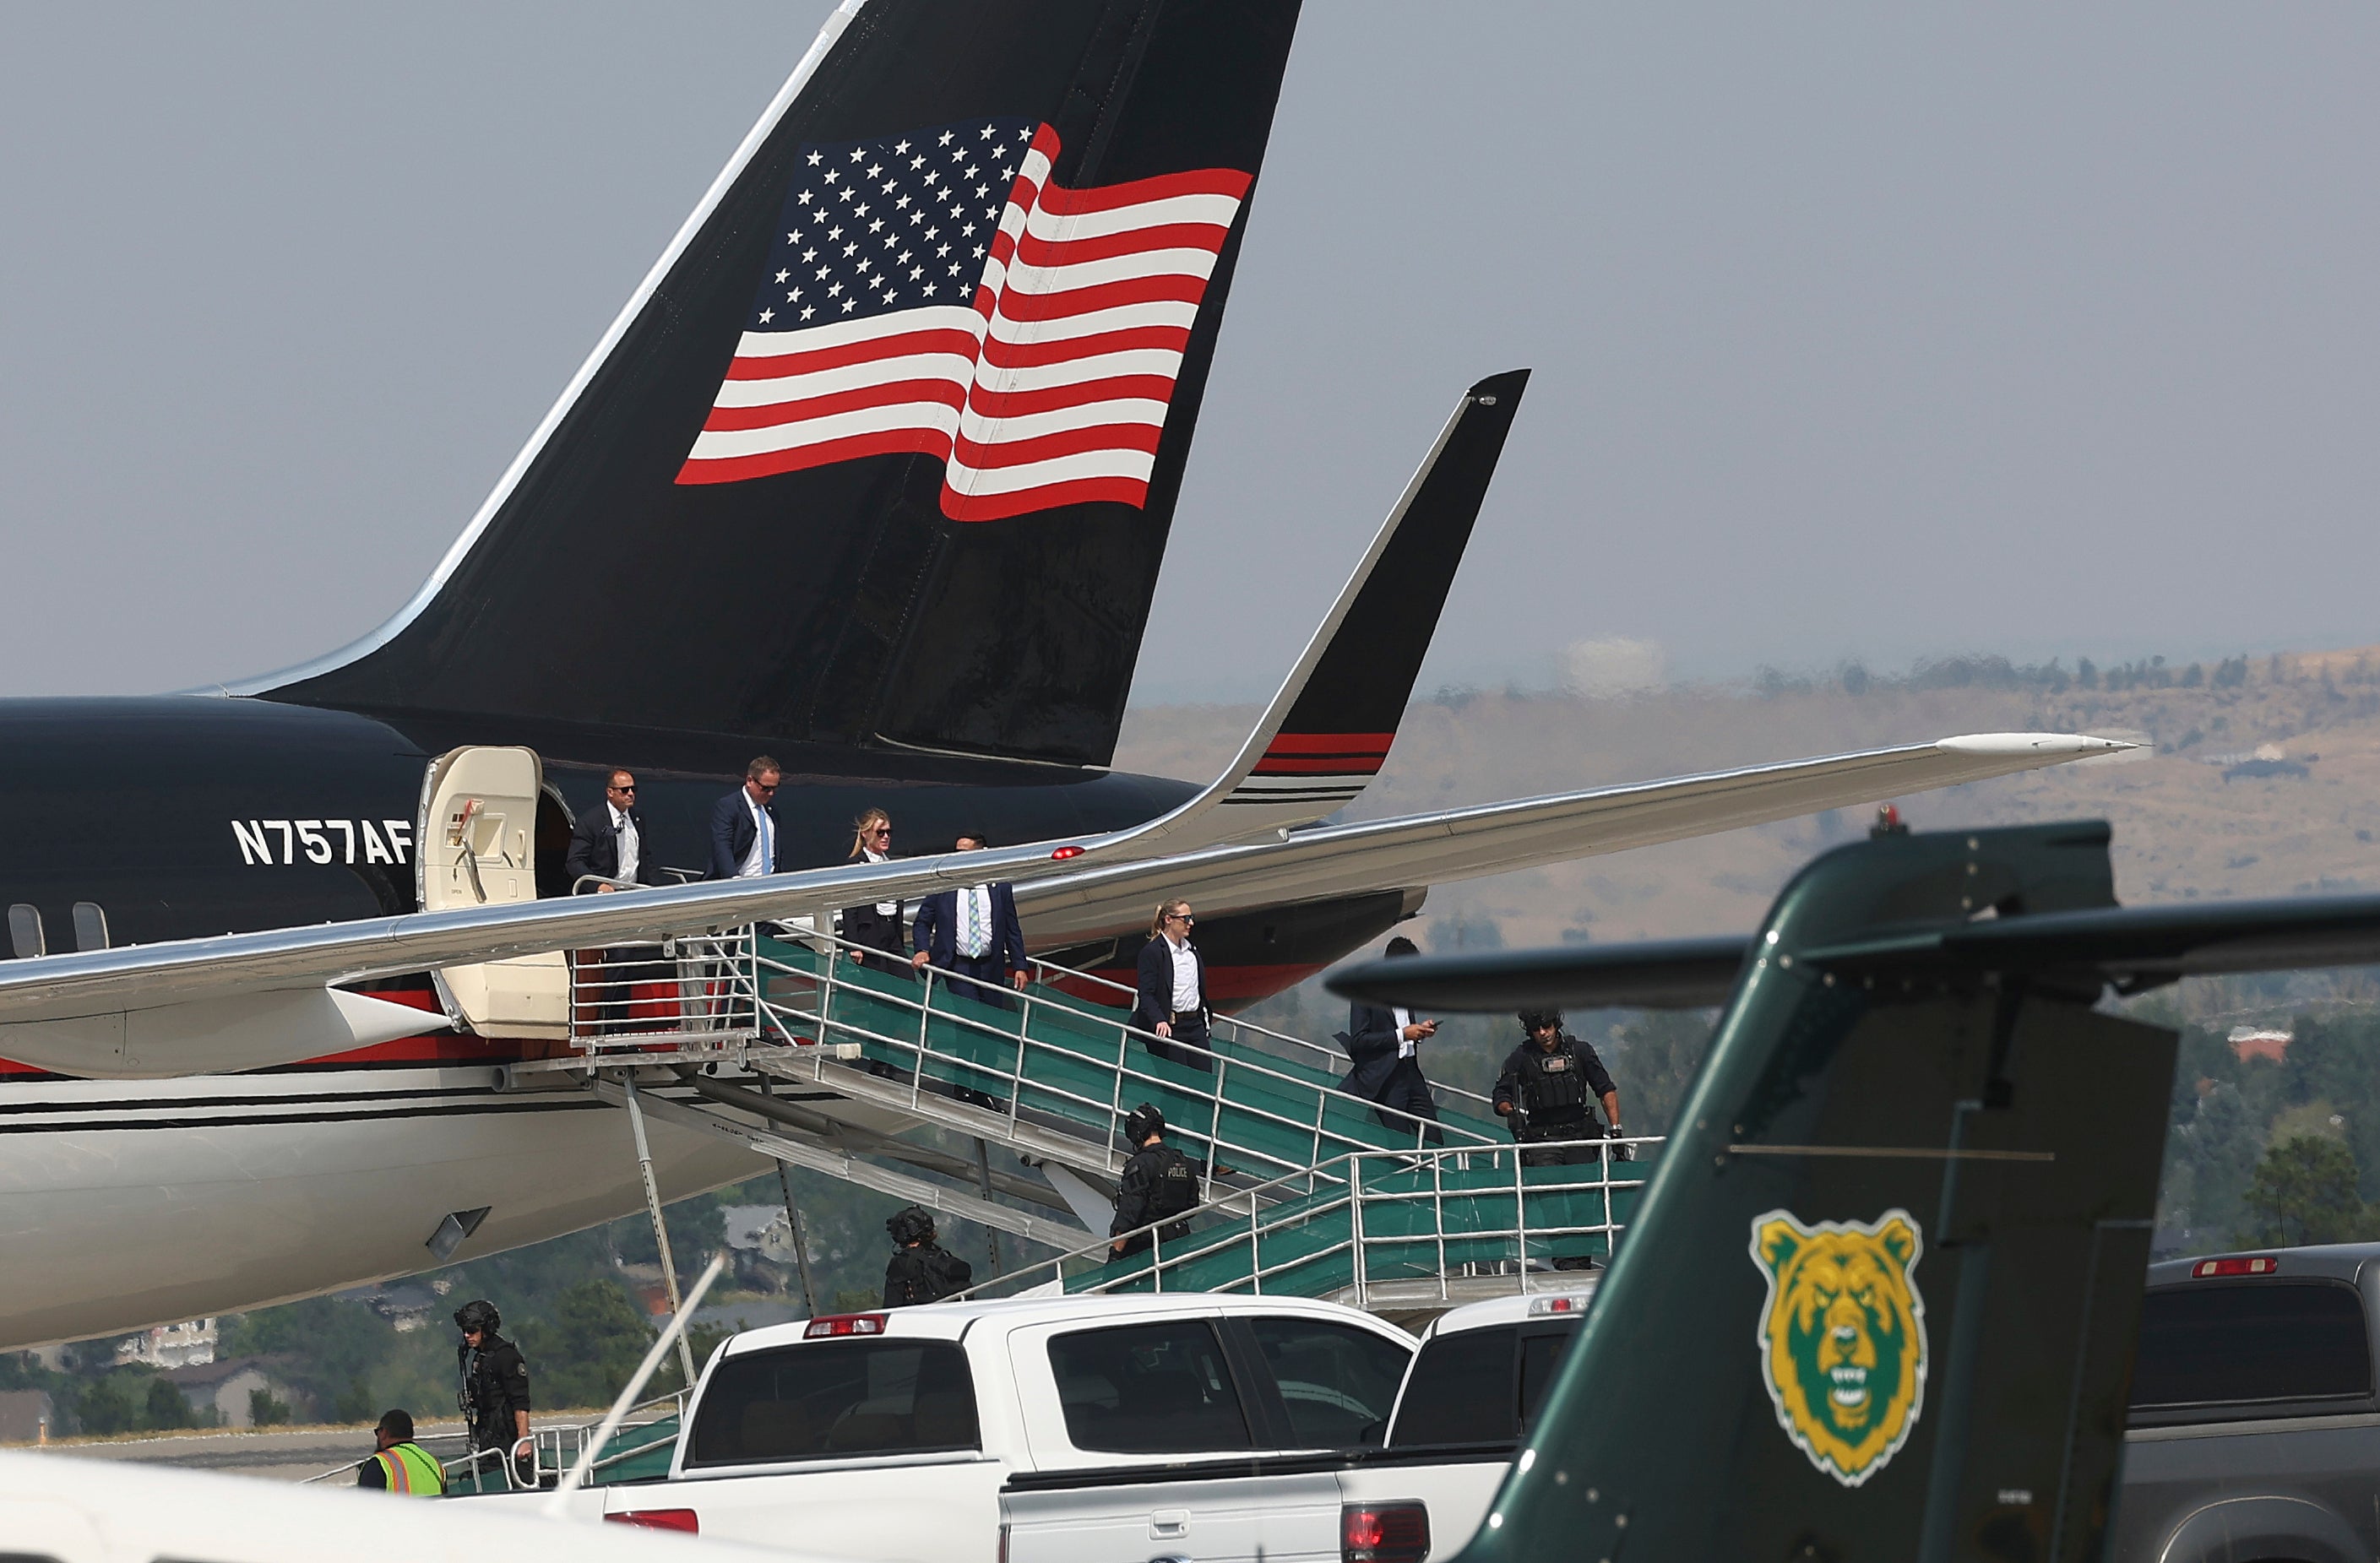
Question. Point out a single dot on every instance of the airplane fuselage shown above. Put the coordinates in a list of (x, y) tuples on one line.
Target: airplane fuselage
[(126, 1203)]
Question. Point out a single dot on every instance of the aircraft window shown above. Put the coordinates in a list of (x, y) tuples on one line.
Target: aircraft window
[(25, 934), (1460, 1390), (1155, 1389), (91, 925), (2261, 1340), (1339, 1383), (832, 1399)]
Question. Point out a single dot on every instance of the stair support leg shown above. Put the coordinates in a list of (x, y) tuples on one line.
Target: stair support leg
[(801, 1245), (661, 1227), (983, 1175)]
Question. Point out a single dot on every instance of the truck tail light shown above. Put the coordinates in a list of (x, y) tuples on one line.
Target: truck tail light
[(1003, 1541), (2244, 1265), (1383, 1532), (660, 1520), (845, 1324)]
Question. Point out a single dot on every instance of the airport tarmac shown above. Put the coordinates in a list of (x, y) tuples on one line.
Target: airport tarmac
[(276, 1454)]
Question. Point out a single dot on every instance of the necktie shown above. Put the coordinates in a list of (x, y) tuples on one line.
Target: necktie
[(972, 937), (767, 844)]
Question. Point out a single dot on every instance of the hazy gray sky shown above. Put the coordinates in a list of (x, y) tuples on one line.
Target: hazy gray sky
[(1857, 331)]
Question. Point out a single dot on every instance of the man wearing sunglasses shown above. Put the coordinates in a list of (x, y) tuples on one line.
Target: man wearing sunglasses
[(744, 828), (610, 844), (608, 851)]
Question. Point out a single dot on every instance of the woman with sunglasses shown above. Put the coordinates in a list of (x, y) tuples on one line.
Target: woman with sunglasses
[(875, 928), (1172, 1003)]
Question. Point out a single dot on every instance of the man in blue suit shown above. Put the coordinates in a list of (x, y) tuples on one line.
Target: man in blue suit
[(744, 831), (1385, 1046), (973, 932)]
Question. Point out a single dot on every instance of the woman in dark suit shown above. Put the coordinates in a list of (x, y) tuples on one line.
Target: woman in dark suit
[(876, 928), (1174, 990)]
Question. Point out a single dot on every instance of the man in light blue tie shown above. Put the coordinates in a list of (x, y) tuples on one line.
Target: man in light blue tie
[(973, 933), (744, 828)]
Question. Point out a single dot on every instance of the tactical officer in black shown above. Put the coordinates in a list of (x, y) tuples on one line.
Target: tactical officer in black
[(922, 1270), (495, 1385), (1547, 1089), (1157, 1182)]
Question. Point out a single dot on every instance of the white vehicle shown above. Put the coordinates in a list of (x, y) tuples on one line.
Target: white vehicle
[(891, 1437), (1470, 1398), (54, 1509)]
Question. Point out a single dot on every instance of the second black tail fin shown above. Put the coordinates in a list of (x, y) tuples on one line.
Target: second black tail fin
[(886, 449), (1879, 1300)]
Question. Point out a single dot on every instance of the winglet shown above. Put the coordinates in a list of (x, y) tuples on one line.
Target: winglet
[(1328, 727)]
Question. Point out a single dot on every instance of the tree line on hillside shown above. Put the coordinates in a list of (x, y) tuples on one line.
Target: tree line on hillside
[(573, 1303)]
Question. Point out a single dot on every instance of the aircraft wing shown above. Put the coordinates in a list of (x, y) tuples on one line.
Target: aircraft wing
[(1428, 849), (254, 1000)]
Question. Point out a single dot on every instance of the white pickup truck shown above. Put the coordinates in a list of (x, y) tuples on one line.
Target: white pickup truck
[(890, 1436), (1470, 1398)]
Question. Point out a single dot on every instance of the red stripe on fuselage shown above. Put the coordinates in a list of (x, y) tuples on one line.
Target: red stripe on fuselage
[(1229, 986), (1330, 744)]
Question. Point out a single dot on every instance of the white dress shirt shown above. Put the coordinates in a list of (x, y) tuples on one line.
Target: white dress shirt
[(1186, 997), (623, 830), (1404, 1044), (757, 859), (974, 932), (889, 908)]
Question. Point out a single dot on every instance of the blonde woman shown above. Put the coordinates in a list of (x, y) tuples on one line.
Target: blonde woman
[(1174, 990), (876, 928)]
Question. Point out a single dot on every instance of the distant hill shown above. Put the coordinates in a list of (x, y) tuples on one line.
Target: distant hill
[(2264, 779), (2201, 816)]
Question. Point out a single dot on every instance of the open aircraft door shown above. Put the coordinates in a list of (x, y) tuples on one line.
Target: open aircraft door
[(478, 842)]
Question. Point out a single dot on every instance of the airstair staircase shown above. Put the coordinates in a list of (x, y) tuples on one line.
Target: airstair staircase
[(786, 1044)]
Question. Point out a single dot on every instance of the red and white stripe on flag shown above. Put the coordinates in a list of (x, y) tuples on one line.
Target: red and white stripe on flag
[(1052, 388)]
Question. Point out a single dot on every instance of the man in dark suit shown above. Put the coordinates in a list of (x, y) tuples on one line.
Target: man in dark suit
[(1385, 1046), (744, 831), (1172, 1004), (609, 844), (973, 932)]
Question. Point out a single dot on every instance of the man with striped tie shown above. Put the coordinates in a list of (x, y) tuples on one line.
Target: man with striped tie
[(973, 932)]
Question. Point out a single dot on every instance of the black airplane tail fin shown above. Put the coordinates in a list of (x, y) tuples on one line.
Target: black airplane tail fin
[(1328, 729), (886, 448), (1879, 1300)]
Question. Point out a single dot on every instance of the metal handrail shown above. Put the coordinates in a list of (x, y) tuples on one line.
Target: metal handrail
[(549, 1441), (1336, 1058), (1323, 1142), (1352, 1195), (711, 991)]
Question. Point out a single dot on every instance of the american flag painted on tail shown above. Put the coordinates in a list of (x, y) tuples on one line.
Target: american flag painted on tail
[(1320, 768), (934, 293)]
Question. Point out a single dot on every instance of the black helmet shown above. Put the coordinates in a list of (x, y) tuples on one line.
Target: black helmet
[(479, 1314), (909, 1224), (1535, 1020), (1140, 1123)]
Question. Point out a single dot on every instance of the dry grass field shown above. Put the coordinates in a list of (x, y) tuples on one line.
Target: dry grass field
[(2183, 828)]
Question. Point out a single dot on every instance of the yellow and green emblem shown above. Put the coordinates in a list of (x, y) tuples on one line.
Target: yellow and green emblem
[(1842, 1339)]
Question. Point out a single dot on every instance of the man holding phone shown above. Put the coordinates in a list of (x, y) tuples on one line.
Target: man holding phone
[(1385, 1046)]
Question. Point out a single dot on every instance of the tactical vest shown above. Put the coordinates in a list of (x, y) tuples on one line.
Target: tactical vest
[(1175, 1192), (409, 1470), (1554, 1083)]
